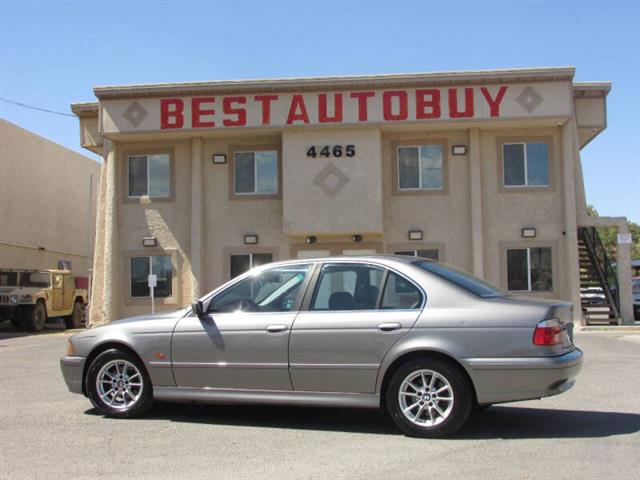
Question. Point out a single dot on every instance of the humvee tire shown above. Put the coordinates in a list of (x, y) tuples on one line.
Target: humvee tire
[(35, 317), (75, 319)]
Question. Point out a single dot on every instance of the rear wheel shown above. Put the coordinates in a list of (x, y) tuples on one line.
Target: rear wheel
[(35, 317), (75, 319), (429, 398), (118, 384)]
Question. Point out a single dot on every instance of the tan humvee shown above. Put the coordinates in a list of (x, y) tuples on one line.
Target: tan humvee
[(29, 297)]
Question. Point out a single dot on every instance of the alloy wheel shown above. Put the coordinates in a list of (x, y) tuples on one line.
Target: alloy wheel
[(426, 398)]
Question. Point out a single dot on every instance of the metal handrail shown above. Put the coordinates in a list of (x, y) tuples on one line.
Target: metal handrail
[(605, 271)]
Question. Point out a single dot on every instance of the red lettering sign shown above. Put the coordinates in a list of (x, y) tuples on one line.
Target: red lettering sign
[(422, 104), (240, 112), (171, 117), (298, 110), (387, 105), (266, 106), (197, 112), (494, 103), (337, 108), (363, 98), (468, 103)]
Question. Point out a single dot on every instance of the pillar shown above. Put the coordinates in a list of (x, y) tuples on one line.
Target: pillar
[(623, 270), (570, 154), (475, 199), (110, 234), (196, 217)]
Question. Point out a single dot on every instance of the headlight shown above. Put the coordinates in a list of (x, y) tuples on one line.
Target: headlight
[(13, 299), (26, 298)]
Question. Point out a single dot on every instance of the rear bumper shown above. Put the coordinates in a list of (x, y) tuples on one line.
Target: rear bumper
[(72, 368), (499, 380)]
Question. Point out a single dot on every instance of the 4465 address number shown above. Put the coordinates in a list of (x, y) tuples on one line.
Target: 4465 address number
[(331, 151)]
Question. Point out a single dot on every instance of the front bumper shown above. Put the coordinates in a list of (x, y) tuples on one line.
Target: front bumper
[(499, 380), (72, 368)]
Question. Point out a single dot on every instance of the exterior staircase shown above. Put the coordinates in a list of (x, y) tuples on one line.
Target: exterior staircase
[(598, 280)]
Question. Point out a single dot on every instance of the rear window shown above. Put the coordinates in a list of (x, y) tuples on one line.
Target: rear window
[(462, 279)]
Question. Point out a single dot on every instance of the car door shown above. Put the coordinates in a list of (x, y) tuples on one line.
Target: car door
[(354, 314), (58, 292), (242, 341)]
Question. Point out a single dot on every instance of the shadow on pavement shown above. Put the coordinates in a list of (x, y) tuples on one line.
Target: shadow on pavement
[(494, 423), (9, 331)]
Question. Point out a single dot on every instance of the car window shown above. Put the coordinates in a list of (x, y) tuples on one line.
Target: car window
[(462, 279), (347, 286), (272, 290), (399, 293)]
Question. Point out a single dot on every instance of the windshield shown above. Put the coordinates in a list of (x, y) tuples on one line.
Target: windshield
[(8, 279), (36, 279), (462, 279)]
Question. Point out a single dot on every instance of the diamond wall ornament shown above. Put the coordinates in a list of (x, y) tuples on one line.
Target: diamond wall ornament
[(331, 180), (135, 114), (529, 99)]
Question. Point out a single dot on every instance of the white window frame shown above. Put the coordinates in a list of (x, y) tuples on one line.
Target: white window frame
[(149, 257), (255, 172), (526, 167), (147, 195), (528, 249), (413, 189)]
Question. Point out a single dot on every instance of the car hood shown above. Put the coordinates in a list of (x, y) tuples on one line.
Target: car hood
[(175, 314)]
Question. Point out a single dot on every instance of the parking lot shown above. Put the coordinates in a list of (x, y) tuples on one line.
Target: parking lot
[(592, 431)]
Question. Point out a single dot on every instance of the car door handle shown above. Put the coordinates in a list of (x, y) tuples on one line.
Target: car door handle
[(276, 328), (389, 327)]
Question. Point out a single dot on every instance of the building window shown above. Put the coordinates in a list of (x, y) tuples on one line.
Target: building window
[(149, 175), (256, 173), (420, 167), (159, 265), (529, 269), (431, 253), (245, 262), (526, 164)]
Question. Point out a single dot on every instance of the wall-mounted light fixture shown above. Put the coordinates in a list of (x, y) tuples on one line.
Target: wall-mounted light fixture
[(528, 232), (219, 158), (356, 238), (250, 239), (149, 241), (415, 234), (311, 240), (459, 150)]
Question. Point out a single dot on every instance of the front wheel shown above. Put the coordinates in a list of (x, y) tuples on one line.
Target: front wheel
[(118, 384), (429, 398), (35, 317)]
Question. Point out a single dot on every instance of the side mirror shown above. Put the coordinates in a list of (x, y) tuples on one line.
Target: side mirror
[(198, 309)]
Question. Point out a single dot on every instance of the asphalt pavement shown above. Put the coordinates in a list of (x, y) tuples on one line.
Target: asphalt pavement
[(592, 431)]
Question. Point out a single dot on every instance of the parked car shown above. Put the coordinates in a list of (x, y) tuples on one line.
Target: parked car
[(29, 297), (425, 341)]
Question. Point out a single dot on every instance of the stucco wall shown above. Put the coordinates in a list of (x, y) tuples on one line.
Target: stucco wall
[(46, 212)]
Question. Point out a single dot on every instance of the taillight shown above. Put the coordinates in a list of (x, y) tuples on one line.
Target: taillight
[(547, 333)]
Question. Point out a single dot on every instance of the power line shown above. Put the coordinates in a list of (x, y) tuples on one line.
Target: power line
[(32, 107)]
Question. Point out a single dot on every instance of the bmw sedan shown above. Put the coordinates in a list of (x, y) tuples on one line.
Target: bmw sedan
[(427, 342)]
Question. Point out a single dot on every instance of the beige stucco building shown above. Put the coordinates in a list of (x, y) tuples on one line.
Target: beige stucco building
[(478, 169), (47, 203)]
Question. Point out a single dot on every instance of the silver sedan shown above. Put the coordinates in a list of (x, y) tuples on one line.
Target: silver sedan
[(427, 342)]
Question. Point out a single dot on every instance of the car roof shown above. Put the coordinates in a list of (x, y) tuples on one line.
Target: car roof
[(384, 259)]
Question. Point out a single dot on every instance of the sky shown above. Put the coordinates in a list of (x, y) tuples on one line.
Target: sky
[(52, 53)]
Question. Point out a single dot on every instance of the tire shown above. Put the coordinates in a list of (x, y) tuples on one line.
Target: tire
[(17, 322), (35, 317), (137, 399), (455, 398), (75, 319)]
